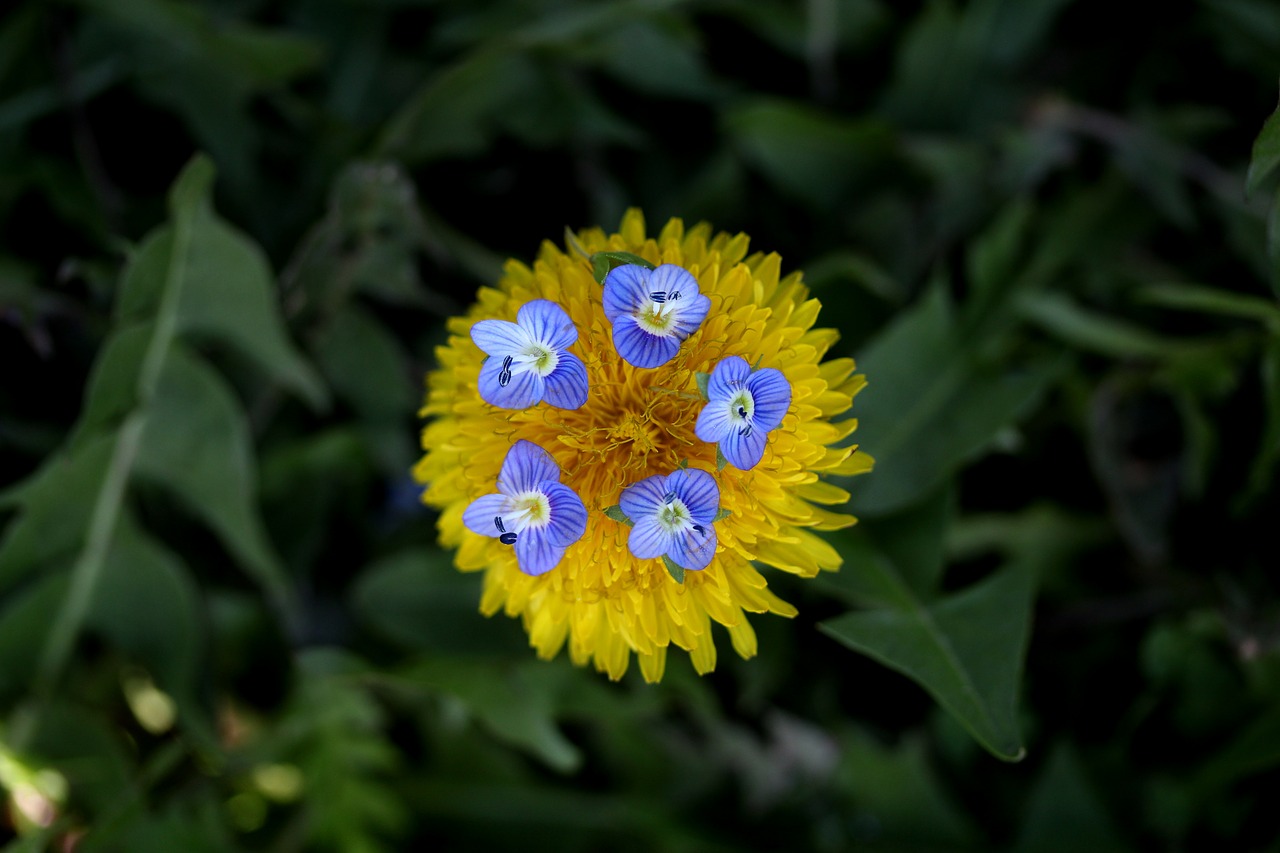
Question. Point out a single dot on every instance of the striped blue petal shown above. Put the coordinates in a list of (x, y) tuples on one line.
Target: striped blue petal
[(484, 513), (694, 548), (698, 491), (639, 348), (499, 337), (687, 315), (568, 521), (713, 421), (501, 386), (547, 323), (566, 386), (526, 466), (771, 393), (535, 554), (626, 290), (643, 499), (648, 539), (744, 448), (728, 377)]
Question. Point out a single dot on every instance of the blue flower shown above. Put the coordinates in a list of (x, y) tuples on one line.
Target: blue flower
[(652, 311), (673, 516), (533, 511), (528, 361), (743, 406)]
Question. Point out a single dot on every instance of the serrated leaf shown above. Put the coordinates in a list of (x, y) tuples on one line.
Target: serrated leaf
[(966, 650), (615, 512), (196, 443), (673, 568)]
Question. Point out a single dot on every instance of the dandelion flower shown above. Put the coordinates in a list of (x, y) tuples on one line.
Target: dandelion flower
[(606, 599)]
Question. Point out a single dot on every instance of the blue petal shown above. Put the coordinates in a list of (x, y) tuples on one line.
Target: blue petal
[(744, 451), (639, 348), (694, 550), (525, 467), (567, 384), (699, 492), (772, 395), (479, 516), (568, 516), (547, 323), (648, 539), (498, 337), (713, 421), (643, 499), (535, 554), (670, 278), (626, 289), (521, 391), (687, 315), (729, 376)]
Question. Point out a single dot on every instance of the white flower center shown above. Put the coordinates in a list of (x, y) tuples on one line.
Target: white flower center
[(528, 511), (537, 357), (674, 516)]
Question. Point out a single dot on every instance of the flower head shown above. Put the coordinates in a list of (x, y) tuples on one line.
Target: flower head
[(652, 311), (673, 517), (532, 511), (602, 603), (742, 407), (527, 360)]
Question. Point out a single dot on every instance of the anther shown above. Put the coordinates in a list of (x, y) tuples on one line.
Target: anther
[(745, 431), (742, 411), (659, 296), (507, 539), (497, 522), (504, 376), (699, 528)]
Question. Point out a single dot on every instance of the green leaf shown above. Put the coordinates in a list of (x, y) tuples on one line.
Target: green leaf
[(816, 157), (196, 443), (1213, 300), (603, 263), (722, 514), (228, 292), (935, 404), (25, 621), (56, 504), (721, 459), (966, 650), (147, 605), (674, 569), (419, 600), (1266, 153), (1057, 314), (366, 366), (615, 512), (517, 705), (914, 539), (703, 380), (1064, 813)]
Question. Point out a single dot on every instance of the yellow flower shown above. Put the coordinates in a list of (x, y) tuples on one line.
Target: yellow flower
[(600, 599)]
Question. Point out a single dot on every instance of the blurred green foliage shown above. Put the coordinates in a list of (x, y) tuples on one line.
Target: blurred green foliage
[(1050, 235)]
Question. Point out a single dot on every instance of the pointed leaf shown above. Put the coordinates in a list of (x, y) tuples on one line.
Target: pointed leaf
[(674, 569), (615, 512), (196, 443), (1266, 153), (966, 650)]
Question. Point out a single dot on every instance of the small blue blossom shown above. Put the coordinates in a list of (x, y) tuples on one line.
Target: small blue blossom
[(533, 511), (652, 311), (528, 360), (673, 516), (743, 406)]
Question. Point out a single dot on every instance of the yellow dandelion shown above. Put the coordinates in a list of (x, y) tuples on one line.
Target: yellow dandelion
[(634, 427)]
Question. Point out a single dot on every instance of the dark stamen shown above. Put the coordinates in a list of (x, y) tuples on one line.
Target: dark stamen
[(673, 295), (658, 296), (497, 522), (507, 539), (699, 528), (745, 431), (504, 376), (742, 411), (670, 498)]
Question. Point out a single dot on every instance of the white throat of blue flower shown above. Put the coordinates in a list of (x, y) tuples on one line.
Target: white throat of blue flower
[(529, 510), (675, 518), (537, 357), (741, 408), (657, 318)]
